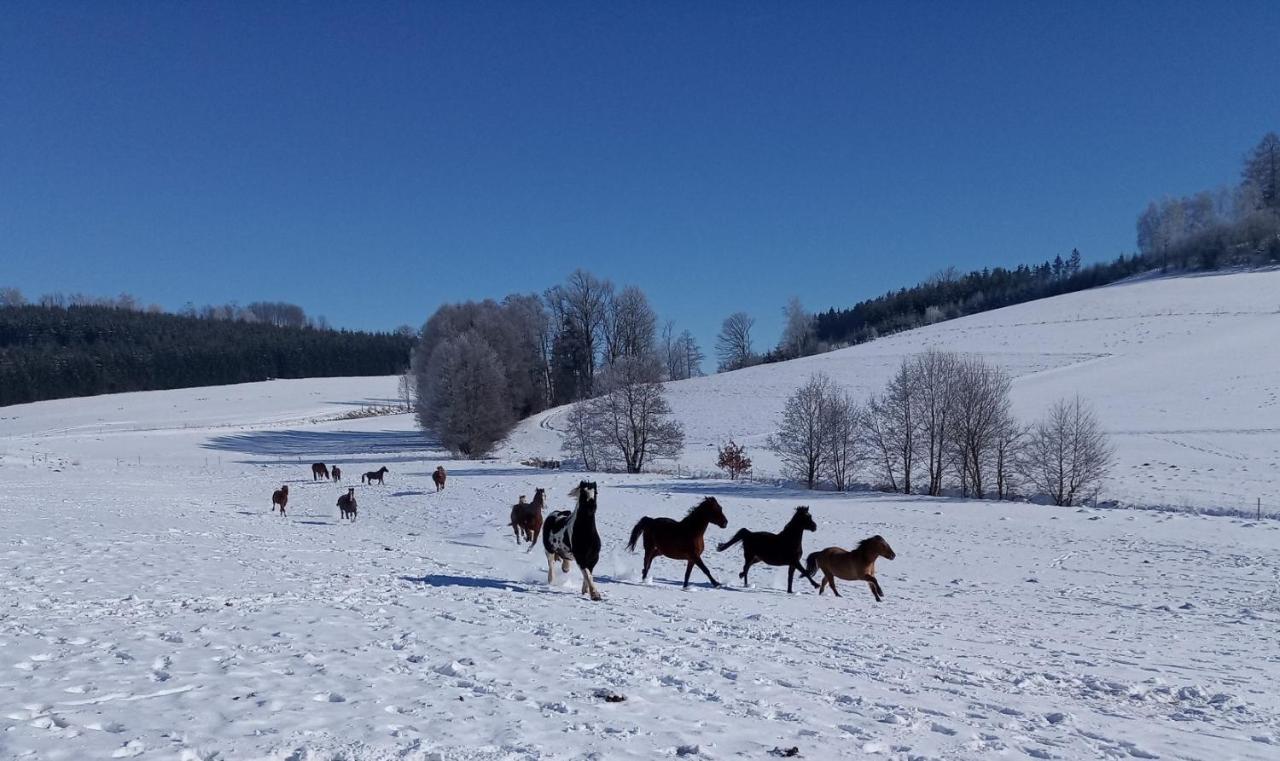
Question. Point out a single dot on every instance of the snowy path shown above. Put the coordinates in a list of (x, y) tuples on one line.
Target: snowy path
[(160, 611)]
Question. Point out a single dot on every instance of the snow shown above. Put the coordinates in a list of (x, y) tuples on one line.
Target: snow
[(152, 606), (1184, 372)]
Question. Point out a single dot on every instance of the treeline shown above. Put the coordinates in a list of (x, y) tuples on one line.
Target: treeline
[(1233, 226), (944, 422), (52, 352), (481, 366)]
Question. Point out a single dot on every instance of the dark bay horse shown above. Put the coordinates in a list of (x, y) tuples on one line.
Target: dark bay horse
[(335, 473), (375, 475), (280, 498), (526, 517), (439, 477), (347, 506), (782, 548), (318, 471), (679, 540), (858, 564)]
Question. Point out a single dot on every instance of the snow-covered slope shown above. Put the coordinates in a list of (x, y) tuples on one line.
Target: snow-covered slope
[(1184, 372)]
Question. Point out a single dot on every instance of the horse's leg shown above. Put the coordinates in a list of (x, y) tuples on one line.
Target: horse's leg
[(875, 588), (648, 561), (688, 571), (823, 586), (796, 565), (791, 574), (705, 570), (564, 566), (832, 581), (746, 566), (551, 565), (589, 585)]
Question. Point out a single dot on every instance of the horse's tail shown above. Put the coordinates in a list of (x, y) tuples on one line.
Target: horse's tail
[(363, 477), (811, 564), (636, 532), (738, 537)]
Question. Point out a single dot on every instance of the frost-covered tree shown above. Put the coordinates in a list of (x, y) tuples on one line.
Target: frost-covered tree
[(931, 380), (12, 297), (797, 332), (801, 439), (980, 412), (845, 444), (462, 397), (893, 431), (1067, 454), (1262, 170), (733, 344)]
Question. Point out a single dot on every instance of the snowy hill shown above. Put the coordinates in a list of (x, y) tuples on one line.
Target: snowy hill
[(152, 606), (1183, 371)]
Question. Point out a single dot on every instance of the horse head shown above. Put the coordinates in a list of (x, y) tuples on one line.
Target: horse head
[(803, 519), (711, 507), (585, 492), (883, 547)]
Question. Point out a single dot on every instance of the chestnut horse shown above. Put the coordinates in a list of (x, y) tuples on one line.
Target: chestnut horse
[(858, 564), (526, 518), (782, 548), (318, 471), (439, 477), (280, 498), (679, 540)]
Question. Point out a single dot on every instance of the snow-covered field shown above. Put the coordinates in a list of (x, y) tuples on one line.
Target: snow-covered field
[(1183, 371), (152, 606)]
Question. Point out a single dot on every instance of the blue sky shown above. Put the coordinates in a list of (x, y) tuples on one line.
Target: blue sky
[(372, 160)]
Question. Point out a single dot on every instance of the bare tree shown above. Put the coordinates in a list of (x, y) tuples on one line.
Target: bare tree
[(631, 417), (845, 445), (1262, 170), (583, 302), (797, 333), (893, 430), (693, 355), (630, 325), (733, 345), (12, 297), (932, 381), (1067, 455), (584, 438), (980, 411), (406, 388), (1009, 440), (801, 439), (55, 299)]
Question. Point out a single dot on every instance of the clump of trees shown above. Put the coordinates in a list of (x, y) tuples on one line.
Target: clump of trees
[(580, 340), (943, 422)]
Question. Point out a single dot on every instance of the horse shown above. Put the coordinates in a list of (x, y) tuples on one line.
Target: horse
[(858, 564), (439, 477), (375, 475), (280, 498), (782, 548), (573, 536), (335, 473), (318, 471), (526, 518), (678, 540), (347, 504)]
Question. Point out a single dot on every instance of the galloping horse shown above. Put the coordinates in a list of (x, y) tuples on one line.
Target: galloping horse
[(572, 536), (375, 475), (439, 477), (347, 504), (318, 471), (280, 498), (679, 540), (782, 548), (858, 564), (526, 518)]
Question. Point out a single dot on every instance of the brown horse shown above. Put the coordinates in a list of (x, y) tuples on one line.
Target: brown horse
[(375, 475), (280, 498), (858, 564), (347, 504), (679, 540), (439, 477), (318, 471), (335, 473), (526, 518)]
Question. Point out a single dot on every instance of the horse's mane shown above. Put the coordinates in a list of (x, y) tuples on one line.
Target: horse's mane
[(698, 506), (865, 544)]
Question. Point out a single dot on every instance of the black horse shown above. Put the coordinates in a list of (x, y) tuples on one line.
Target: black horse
[(572, 536), (782, 548), (374, 475)]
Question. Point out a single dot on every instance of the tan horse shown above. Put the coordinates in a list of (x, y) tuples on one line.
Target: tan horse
[(858, 564)]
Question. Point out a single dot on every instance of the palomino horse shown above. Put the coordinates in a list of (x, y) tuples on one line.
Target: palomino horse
[(347, 504), (335, 473), (439, 477), (318, 471), (280, 498), (526, 518), (679, 540), (782, 548), (375, 475), (858, 564)]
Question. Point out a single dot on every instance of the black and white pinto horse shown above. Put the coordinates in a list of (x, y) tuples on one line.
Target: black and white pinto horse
[(572, 536)]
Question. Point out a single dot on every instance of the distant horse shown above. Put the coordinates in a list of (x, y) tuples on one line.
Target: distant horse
[(858, 564), (572, 536), (280, 498), (439, 477), (335, 473), (679, 540), (526, 518), (347, 504), (374, 475), (782, 548), (318, 471)]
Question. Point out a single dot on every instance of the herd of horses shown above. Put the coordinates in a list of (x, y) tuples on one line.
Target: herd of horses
[(348, 508), (571, 536)]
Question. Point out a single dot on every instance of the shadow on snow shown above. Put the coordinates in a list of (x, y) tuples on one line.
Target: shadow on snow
[(349, 446)]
